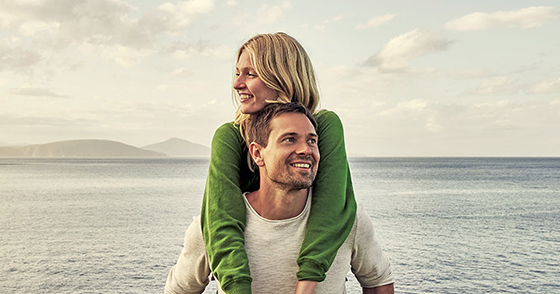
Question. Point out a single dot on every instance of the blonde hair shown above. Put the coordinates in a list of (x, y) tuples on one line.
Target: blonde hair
[(283, 65)]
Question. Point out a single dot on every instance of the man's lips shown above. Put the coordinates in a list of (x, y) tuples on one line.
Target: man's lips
[(302, 164)]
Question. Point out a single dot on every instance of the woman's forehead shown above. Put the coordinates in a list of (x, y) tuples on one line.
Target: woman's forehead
[(244, 61)]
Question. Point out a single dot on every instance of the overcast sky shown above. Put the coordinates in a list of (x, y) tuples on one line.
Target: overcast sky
[(408, 78)]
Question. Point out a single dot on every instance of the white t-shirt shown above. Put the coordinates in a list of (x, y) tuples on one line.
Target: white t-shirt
[(273, 247)]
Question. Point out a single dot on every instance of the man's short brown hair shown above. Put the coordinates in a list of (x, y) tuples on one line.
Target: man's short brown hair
[(258, 124)]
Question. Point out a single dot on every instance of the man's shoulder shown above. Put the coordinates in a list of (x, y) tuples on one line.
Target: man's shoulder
[(194, 232), (363, 219), (361, 212), (362, 225)]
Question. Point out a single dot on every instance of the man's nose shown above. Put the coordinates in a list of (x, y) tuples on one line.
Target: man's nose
[(304, 148)]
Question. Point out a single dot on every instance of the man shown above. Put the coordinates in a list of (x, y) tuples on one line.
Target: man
[(284, 147)]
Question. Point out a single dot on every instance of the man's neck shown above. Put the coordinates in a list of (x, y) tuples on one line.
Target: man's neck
[(275, 203)]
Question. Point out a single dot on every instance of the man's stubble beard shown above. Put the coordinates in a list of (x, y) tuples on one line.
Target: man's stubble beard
[(291, 181)]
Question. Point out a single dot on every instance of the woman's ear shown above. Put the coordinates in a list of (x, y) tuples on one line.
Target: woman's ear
[(255, 150)]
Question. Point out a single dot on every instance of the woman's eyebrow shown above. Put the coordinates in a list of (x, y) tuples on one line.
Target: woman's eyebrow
[(245, 67)]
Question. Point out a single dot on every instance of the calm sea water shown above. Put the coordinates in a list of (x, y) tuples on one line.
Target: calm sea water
[(449, 225)]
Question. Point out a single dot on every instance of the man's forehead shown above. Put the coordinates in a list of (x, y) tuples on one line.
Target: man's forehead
[(291, 123)]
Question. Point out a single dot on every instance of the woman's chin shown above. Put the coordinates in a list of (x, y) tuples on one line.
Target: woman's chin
[(250, 110)]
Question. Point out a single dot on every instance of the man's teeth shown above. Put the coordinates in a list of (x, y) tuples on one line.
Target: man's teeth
[(301, 165)]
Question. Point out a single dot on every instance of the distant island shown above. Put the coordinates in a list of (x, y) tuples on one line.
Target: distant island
[(174, 147), (179, 148)]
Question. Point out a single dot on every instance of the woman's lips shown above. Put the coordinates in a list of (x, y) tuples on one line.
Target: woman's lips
[(244, 97)]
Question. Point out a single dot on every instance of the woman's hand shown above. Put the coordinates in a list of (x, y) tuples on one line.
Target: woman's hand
[(305, 287)]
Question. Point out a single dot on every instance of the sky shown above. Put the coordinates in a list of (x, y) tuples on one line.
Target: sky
[(407, 78)]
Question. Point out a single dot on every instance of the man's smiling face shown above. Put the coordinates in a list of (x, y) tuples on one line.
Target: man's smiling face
[(291, 155)]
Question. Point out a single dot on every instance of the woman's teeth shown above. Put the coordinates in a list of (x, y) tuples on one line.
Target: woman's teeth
[(245, 97)]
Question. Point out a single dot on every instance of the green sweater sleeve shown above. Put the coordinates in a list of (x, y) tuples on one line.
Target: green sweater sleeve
[(223, 215), (223, 210), (333, 210)]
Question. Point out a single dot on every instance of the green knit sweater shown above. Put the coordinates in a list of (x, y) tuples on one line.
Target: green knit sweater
[(333, 210)]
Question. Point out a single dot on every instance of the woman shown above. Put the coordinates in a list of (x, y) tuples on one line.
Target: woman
[(274, 68)]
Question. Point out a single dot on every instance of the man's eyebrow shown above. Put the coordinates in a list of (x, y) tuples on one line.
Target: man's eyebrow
[(297, 134), (289, 134)]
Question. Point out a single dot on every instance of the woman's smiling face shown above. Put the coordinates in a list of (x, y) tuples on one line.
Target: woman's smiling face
[(252, 92)]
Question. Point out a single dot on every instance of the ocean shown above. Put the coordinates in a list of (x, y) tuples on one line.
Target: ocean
[(449, 225)]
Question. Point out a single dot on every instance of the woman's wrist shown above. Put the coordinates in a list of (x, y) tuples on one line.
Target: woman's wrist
[(305, 287)]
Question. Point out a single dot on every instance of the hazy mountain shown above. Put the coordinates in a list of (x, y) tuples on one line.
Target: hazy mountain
[(79, 148), (179, 148)]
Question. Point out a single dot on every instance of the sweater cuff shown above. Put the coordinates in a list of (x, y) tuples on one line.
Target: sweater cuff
[(239, 287), (311, 271)]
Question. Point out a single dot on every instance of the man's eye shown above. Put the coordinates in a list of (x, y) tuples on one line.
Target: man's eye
[(313, 141), (289, 139)]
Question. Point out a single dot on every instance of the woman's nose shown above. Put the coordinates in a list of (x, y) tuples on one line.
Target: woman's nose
[(239, 83)]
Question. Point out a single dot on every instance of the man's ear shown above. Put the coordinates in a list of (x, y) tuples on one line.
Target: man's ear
[(255, 150)]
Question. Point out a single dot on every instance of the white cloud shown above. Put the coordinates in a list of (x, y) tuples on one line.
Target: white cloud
[(179, 72), (174, 18), (270, 15), (435, 128), (122, 55), (189, 8), (471, 74), (14, 57), (266, 17), (66, 22), (378, 122), (32, 28), (523, 18), (496, 85), (334, 19), (547, 87), (109, 22), (323, 25), (40, 92), (183, 51), (319, 27), (219, 52), (376, 21), (408, 109), (395, 55), (231, 3), (110, 29)]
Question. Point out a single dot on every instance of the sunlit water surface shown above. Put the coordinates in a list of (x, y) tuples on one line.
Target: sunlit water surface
[(449, 225)]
